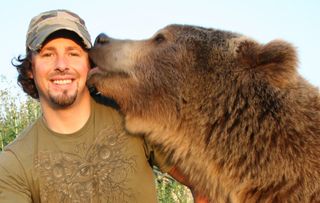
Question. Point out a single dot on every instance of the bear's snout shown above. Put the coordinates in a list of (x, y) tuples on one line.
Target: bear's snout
[(101, 39)]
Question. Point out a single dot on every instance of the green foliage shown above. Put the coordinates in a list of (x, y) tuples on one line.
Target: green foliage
[(171, 191), (17, 111)]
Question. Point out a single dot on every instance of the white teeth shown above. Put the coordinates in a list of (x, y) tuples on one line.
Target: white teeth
[(61, 82)]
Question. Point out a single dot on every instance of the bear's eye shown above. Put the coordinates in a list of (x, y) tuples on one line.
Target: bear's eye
[(159, 38)]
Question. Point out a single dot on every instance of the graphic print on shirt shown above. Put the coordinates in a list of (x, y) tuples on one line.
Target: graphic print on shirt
[(98, 175)]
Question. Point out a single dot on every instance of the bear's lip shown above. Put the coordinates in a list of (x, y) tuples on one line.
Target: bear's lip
[(102, 72), (95, 70)]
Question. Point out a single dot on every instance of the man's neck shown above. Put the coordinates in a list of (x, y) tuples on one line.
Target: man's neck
[(67, 120)]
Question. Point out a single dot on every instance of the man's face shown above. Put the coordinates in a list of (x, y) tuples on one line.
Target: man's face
[(60, 71)]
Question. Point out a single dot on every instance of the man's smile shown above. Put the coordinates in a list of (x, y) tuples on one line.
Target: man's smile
[(62, 82)]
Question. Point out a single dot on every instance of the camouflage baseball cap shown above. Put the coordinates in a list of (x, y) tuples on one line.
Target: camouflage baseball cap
[(44, 24)]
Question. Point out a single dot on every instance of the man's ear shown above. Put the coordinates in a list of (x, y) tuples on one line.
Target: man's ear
[(30, 74), (30, 71), (275, 61)]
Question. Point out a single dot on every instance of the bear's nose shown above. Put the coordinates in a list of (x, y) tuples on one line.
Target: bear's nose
[(102, 39)]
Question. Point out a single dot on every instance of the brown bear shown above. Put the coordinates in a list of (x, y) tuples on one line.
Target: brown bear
[(233, 113)]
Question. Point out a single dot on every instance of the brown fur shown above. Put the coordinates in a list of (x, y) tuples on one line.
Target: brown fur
[(234, 114)]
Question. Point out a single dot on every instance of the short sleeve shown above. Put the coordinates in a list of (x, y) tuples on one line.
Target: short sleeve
[(13, 184), (157, 158)]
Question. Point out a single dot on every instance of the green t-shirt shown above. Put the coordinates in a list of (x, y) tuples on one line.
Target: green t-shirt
[(99, 163)]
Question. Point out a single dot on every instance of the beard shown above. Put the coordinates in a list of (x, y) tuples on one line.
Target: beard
[(64, 99)]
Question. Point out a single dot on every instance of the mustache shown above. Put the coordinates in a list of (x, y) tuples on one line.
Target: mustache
[(64, 73)]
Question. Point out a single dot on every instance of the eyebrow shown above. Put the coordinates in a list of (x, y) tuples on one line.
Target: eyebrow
[(68, 48), (73, 48)]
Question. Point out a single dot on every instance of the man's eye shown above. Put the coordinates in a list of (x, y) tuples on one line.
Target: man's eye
[(74, 54), (47, 54)]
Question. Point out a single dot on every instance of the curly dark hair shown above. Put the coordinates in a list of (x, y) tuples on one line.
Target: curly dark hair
[(24, 68), (24, 64)]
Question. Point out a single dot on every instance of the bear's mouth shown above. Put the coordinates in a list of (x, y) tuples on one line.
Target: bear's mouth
[(106, 73), (96, 70)]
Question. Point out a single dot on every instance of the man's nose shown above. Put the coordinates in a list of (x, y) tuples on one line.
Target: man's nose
[(102, 39), (61, 63)]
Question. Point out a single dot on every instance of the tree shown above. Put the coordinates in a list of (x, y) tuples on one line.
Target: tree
[(16, 113), (169, 190)]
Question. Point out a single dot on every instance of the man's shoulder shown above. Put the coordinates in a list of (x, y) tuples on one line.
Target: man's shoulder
[(24, 140), (106, 110)]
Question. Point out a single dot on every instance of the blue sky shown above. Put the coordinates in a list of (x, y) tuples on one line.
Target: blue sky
[(297, 22)]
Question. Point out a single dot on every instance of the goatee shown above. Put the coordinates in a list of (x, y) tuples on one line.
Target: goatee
[(63, 100)]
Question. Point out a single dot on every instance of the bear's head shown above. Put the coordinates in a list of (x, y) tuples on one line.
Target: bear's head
[(184, 72)]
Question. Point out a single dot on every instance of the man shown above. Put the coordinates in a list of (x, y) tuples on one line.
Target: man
[(77, 151)]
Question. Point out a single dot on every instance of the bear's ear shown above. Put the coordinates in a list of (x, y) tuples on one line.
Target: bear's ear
[(275, 61)]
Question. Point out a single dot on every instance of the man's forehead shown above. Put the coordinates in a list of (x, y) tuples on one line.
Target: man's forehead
[(61, 43)]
